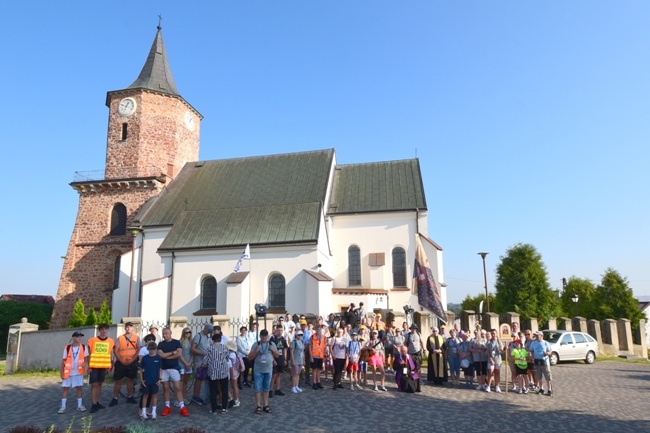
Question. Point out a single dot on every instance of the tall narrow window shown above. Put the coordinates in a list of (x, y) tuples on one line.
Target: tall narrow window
[(118, 220), (124, 131), (399, 267), (209, 293), (116, 272), (276, 291), (354, 266)]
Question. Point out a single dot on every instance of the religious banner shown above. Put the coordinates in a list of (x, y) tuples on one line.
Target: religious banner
[(429, 295)]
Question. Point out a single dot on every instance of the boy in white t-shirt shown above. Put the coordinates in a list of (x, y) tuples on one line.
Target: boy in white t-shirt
[(73, 367)]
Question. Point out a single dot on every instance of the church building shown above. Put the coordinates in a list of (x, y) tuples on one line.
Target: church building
[(162, 232)]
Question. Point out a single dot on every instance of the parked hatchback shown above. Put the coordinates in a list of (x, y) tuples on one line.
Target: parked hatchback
[(571, 346)]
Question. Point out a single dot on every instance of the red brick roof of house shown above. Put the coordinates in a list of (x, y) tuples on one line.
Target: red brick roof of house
[(39, 299)]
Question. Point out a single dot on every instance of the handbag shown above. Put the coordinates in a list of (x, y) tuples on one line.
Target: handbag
[(201, 373)]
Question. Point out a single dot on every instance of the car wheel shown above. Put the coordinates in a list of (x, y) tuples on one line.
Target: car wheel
[(554, 358), (591, 356)]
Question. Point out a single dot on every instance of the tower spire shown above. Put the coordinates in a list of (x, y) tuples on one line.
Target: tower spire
[(156, 74)]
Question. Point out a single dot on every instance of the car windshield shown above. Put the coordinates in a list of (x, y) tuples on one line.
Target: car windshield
[(552, 336)]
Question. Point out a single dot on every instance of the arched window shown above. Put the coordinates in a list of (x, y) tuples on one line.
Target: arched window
[(399, 267), (209, 293), (118, 220), (354, 266), (116, 272), (276, 291)]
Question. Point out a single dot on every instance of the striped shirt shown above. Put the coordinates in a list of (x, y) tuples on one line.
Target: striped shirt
[(216, 359)]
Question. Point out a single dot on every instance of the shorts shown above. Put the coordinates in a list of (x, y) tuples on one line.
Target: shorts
[(73, 381), (129, 371), (543, 370), (262, 381), (353, 366), (480, 367), (149, 389), (171, 374), (531, 366), (522, 371), (494, 365), (363, 366), (376, 360), (317, 364), (296, 369), (97, 375), (278, 369)]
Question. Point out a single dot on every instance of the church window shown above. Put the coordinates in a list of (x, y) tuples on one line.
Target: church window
[(116, 272), (276, 291), (124, 131), (118, 220), (354, 266), (399, 267), (209, 293)]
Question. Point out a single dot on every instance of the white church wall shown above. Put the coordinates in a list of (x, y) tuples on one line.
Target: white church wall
[(153, 265), (155, 301)]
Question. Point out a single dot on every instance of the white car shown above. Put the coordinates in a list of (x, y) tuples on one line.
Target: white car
[(571, 346)]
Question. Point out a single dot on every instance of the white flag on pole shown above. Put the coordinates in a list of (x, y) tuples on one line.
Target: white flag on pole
[(245, 255)]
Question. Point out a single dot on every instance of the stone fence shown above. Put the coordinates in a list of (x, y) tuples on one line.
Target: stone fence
[(614, 337)]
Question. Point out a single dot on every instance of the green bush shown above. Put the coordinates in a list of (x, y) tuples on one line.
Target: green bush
[(11, 312)]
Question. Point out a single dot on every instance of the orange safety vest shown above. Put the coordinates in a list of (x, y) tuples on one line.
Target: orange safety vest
[(67, 366), (318, 347), (127, 348), (100, 352)]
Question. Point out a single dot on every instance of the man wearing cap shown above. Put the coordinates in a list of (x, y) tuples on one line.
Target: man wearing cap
[(541, 350), (126, 363), (100, 349), (73, 369), (200, 345), (413, 341)]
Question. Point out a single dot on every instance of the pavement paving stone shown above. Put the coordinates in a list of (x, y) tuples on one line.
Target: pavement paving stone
[(603, 397)]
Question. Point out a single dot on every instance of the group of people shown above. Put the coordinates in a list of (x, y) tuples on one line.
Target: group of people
[(309, 351)]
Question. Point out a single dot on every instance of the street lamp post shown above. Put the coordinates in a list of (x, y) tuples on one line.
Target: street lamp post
[(575, 298), (134, 231), (487, 298)]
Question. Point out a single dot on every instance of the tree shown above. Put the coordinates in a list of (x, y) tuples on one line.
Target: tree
[(78, 317), (586, 292), (615, 299), (104, 314), (11, 312), (522, 285), (473, 303), (91, 319)]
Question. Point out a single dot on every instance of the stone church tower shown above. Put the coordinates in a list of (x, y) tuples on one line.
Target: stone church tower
[(152, 133)]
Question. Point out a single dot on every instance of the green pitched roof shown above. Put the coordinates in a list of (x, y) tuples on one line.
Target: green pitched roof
[(378, 187), (257, 200)]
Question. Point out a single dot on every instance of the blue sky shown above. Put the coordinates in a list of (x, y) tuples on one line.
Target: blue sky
[(530, 119)]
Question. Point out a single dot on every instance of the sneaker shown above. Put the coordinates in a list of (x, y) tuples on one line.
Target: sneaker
[(100, 406), (81, 408), (340, 386), (166, 411), (224, 410), (521, 391), (271, 394), (487, 389), (497, 389), (94, 408), (185, 412), (376, 389), (359, 386), (61, 410), (236, 404), (198, 400), (383, 388), (153, 416), (280, 393), (143, 416), (319, 385), (131, 400), (540, 391), (113, 402), (550, 393), (294, 390), (514, 388), (525, 391), (177, 404), (351, 387), (298, 389), (314, 387)]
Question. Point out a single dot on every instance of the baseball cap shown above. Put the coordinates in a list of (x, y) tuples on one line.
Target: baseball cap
[(300, 332), (128, 324), (303, 322), (208, 327), (77, 334), (413, 326), (152, 345)]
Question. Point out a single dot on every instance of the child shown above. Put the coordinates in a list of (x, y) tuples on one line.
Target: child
[(520, 356), (297, 360), (150, 376), (73, 369), (354, 351)]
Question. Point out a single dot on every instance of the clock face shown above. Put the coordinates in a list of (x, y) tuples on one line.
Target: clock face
[(189, 121), (126, 107)]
